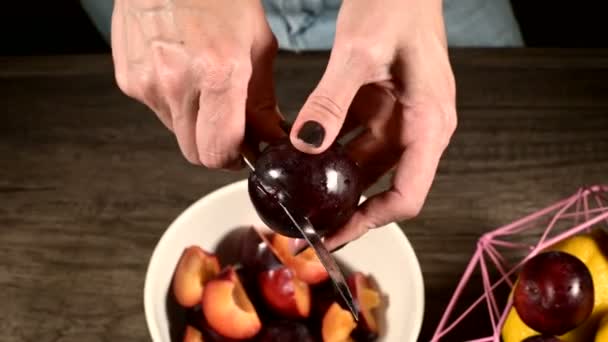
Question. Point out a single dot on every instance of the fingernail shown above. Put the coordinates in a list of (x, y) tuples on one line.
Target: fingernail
[(312, 133)]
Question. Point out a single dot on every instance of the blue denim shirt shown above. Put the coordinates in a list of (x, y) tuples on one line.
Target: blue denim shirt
[(302, 25)]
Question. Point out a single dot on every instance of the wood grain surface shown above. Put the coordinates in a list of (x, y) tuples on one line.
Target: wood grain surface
[(89, 179)]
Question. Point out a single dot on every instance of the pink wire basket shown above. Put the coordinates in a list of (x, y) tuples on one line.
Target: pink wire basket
[(500, 253)]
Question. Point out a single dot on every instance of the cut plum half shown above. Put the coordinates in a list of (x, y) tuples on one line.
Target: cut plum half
[(227, 307), (194, 269)]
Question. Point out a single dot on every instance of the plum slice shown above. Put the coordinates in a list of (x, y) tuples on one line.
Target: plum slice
[(338, 324), (227, 307), (194, 269), (307, 265)]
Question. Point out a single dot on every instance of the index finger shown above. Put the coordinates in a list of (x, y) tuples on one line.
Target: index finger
[(411, 183)]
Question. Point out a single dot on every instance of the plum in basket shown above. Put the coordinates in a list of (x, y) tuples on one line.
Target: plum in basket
[(554, 293)]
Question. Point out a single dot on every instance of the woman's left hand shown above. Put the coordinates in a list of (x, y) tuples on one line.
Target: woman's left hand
[(388, 72)]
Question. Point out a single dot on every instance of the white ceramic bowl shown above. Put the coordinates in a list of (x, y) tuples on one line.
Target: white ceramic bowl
[(385, 253)]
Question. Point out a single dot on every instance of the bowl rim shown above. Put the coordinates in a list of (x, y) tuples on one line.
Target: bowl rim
[(153, 329)]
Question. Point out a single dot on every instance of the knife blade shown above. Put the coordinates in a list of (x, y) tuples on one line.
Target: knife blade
[(307, 230), (314, 241)]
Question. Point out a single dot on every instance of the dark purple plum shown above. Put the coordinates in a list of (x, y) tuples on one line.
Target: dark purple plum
[(256, 255), (285, 330), (324, 187), (554, 293), (540, 338)]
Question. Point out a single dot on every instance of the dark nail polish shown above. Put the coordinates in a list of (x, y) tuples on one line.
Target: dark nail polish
[(312, 133)]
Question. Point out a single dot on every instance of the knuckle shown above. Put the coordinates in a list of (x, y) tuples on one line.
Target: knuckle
[(171, 76), (451, 120), (436, 123), (361, 52), (122, 81), (221, 73), (450, 80), (325, 106), (445, 125), (412, 211), (409, 207), (172, 82), (147, 93), (136, 85), (218, 73), (142, 87), (402, 207)]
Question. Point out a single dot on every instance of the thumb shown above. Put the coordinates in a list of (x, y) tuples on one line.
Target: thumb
[(322, 116)]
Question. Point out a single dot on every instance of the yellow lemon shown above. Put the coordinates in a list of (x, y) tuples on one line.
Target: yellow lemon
[(592, 249)]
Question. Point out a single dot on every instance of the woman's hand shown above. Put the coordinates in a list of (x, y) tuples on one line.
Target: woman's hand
[(389, 71), (204, 67)]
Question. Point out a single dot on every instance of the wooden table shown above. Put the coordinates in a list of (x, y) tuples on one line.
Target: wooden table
[(89, 179)]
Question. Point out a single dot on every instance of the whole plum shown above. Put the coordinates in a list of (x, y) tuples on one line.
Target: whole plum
[(324, 187)]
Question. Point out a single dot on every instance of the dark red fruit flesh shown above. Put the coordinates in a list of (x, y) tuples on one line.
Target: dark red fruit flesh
[(554, 293), (285, 293), (325, 187), (284, 330), (539, 338)]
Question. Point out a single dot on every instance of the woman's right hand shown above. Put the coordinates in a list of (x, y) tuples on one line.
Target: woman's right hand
[(204, 67)]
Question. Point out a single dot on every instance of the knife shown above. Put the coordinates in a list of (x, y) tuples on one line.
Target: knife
[(307, 230)]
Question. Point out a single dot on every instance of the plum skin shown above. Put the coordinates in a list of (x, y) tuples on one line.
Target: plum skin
[(325, 188), (555, 293)]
